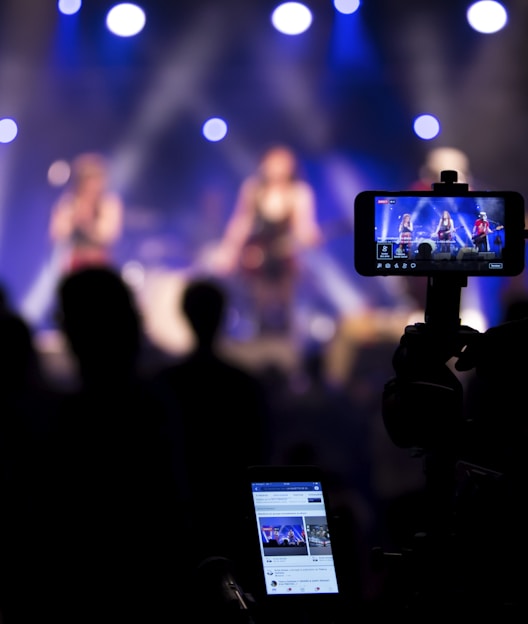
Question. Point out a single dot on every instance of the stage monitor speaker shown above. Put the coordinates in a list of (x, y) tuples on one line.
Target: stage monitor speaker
[(467, 253), (487, 255), (442, 255)]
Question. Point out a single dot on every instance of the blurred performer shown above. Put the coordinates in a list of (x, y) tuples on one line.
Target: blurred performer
[(87, 219), (273, 220)]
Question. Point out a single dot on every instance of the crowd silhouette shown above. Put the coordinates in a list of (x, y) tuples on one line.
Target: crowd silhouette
[(118, 485), (118, 488)]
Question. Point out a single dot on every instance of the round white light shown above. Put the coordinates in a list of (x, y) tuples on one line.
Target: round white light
[(8, 130), (487, 16), (346, 6), (291, 18), (214, 129), (125, 20), (69, 7), (426, 126)]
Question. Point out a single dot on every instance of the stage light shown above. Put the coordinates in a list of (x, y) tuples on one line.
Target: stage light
[(214, 129), (8, 130), (291, 18), (487, 16), (426, 126), (346, 7), (69, 7), (59, 173), (125, 20)]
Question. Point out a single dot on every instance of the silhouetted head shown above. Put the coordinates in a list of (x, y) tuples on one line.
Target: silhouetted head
[(204, 304), (97, 312), (425, 250)]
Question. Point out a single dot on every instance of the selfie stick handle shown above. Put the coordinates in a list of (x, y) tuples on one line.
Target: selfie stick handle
[(444, 292), (442, 306)]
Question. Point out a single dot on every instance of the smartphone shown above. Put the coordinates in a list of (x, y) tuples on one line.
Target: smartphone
[(442, 231), (293, 537)]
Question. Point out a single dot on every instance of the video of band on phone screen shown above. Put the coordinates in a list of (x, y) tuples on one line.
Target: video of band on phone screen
[(410, 230)]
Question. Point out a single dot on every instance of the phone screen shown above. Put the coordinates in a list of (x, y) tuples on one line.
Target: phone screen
[(294, 537), (479, 233)]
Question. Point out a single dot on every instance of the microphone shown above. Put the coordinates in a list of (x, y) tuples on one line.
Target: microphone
[(220, 584)]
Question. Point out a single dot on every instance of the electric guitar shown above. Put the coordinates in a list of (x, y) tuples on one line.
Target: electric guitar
[(478, 238), (445, 234), (260, 254)]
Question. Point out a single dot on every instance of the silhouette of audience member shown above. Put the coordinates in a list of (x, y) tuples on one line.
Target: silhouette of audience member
[(515, 308), (25, 405), (496, 515), (425, 251), (20, 367), (110, 491), (217, 415)]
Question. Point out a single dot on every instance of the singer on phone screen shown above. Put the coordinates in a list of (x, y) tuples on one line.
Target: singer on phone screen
[(406, 235)]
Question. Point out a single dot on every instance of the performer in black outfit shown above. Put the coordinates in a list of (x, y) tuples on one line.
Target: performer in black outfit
[(274, 218), (444, 231)]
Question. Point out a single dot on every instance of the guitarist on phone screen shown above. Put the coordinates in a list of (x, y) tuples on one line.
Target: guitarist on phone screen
[(444, 231), (481, 230)]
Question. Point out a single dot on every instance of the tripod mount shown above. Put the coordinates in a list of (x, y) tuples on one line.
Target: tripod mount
[(422, 405), (447, 562)]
